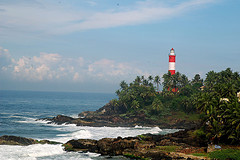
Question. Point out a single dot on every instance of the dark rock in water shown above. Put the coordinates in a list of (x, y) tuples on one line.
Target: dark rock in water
[(15, 140), (60, 119), (81, 145)]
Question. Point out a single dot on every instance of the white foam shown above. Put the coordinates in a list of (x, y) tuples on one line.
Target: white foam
[(137, 126), (74, 116), (31, 152), (86, 132), (82, 134), (39, 151), (32, 120)]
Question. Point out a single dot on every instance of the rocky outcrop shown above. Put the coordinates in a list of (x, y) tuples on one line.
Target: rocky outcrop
[(117, 116), (15, 140), (144, 146), (95, 119)]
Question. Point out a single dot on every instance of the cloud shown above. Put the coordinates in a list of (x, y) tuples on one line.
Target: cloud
[(31, 70), (106, 69), (54, 67), (47, 58), (5, 58), (51, 18)]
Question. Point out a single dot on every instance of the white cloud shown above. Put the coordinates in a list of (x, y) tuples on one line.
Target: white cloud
[(77, 77), (47, 58), (5, 58), (108, 69), (47, 17), (52, 67)]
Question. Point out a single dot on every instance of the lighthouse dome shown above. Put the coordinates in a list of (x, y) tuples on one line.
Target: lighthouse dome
[(172, 52)]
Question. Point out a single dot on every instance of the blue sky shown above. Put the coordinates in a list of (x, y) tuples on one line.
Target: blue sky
[(92, 45)]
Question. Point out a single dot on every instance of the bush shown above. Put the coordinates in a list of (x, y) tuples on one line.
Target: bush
[(225, 154)]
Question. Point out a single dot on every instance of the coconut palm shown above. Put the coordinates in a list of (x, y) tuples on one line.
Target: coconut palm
[(157, 81)]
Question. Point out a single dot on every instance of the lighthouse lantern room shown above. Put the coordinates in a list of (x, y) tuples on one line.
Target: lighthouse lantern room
[(172, 58)]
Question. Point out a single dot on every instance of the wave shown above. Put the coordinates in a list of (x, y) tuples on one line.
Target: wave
[(29, 152), (41, 151), (71, 131), (31, 120), (87, 132)]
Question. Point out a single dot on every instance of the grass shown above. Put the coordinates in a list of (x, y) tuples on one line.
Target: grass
[(131, 156), (142, 136), (185, 116), (224, 154), (68, 147), (168, 148)]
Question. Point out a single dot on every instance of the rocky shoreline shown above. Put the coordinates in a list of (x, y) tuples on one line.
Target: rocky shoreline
[(111, 116), (177, 145)]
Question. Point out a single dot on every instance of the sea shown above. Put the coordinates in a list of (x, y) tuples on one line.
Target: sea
[(19, 111)]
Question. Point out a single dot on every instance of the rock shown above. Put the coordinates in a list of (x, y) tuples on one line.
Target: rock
[(109, 109), (81, 145), (116, 116), (170, 146), (15, 140), (60, 119)]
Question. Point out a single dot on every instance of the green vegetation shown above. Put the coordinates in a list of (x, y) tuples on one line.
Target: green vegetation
[(131, 156), (142, 95), (142, 136), (68, 147), (225, 154), (213, 100), (220, 105)]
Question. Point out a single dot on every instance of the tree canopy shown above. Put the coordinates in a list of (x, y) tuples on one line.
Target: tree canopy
[(215, 98)]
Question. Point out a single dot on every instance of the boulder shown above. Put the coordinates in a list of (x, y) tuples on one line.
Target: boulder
[(14, 140), (81, 145), (60, 119)]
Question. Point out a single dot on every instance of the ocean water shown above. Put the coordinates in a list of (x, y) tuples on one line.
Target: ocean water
[(20, 109)]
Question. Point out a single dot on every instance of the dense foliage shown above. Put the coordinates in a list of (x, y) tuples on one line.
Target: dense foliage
[(143, 94), (215, 98), (220, 103)]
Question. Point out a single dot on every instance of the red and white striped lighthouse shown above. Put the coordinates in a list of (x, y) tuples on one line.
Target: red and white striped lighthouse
[(172, 58)]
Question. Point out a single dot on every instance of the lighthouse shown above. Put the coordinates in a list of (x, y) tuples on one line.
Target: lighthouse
[(172, 58)]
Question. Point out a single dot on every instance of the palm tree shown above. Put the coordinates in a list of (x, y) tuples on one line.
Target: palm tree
[(210, 80), (184, 80), (145, 82), (137, 80), (142, 78), (166, 81), (123, 85), (150, 78), (197, 79), (157, 81)]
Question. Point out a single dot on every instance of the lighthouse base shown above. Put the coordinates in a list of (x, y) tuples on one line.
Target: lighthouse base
[(172, 71)]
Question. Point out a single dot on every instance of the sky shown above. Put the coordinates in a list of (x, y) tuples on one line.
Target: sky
[(92, 45)]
